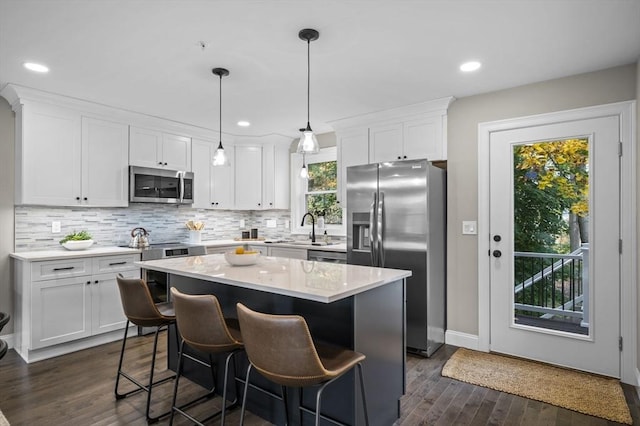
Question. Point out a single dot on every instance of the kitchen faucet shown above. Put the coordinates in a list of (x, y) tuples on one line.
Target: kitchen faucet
[(313, 226)]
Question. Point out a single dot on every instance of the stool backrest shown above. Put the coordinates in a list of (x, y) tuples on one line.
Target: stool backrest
[(201, 322), (138, 304), (281, 348), (4, 319)]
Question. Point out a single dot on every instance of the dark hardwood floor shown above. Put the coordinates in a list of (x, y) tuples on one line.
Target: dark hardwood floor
[(77, 389)]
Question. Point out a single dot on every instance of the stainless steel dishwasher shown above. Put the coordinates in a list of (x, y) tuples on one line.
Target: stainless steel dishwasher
[(327, 256)]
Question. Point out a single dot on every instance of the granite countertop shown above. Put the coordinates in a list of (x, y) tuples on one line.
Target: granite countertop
[(318, 281), (63, 253)]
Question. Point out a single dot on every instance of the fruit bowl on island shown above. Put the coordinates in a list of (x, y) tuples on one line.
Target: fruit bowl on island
[(241, 257)]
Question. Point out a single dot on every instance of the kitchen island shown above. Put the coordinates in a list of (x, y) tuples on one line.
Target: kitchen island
[(358, 307)]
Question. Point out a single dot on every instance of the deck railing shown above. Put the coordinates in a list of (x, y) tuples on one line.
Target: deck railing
[(552, 285)]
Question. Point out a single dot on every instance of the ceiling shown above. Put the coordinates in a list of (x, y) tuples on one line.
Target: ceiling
[(146, 55)]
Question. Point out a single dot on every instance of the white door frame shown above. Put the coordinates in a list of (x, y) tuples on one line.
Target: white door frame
[(628, 271)]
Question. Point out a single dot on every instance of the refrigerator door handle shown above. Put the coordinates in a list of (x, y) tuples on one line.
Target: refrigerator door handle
[(380, 229), (373, 243)]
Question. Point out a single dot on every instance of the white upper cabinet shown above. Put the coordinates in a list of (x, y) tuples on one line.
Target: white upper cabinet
[(213, 185), (248, 177), (353, 150), (262, 174), (65, 159), (385, 143), (275, 176), (153, 148)]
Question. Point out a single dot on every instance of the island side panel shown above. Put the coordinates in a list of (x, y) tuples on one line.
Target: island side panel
[(379, 331)]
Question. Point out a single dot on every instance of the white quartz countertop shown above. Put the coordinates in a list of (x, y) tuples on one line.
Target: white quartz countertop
[(307, 245), (63, 253), (318, 281)]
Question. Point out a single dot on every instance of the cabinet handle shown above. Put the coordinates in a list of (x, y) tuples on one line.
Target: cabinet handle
[(160, 163), (117, 263), (165, 164), (85, 198), (67, 268), (270, 204), (259, 204), (96, 281), (78, 198), (405, 157), (399, 158), (88, 282)]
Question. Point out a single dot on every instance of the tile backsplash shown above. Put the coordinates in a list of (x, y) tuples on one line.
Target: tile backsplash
[(165, 223)]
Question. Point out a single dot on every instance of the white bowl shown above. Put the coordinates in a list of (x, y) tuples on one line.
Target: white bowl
[(241, 259), (77, 245)]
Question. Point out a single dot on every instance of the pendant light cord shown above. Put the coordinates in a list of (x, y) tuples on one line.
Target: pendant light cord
[(308, 79), (220, 109)]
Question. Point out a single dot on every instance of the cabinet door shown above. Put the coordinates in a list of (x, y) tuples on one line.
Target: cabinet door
[(49, 158), (202, 172), (423, 139), (105, 160), (353, 150), (61, 311), (106, 305), (145, 147), (268, 176), (223, 181), (248, 174), (176, 152), (281, 177), (385, 143)]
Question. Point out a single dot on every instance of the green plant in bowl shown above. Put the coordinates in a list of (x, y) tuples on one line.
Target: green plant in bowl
[(76, 236)]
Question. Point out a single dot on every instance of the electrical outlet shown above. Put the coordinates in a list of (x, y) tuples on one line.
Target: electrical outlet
[(241, 223), (286, 224), (55, 227), (271, 223)]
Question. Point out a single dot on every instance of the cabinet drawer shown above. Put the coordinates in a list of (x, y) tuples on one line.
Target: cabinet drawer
[(54, 269), (107, 264)]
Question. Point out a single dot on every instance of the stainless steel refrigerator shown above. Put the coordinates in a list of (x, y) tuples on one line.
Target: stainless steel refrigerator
[(396, 219)]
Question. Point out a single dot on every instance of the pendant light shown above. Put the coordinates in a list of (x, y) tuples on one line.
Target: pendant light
[(220, 158), (304, 172), (308, 143)]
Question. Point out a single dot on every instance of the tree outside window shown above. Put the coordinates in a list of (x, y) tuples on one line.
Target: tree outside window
[(320, 196)]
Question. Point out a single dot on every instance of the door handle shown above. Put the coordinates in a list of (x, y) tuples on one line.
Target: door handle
[(381, 228), (497, 253), (372, 231)]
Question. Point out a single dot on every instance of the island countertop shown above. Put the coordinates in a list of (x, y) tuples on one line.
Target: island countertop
[(310, 280)]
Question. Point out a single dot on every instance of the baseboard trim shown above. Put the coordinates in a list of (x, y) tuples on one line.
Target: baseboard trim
[(463, 340)]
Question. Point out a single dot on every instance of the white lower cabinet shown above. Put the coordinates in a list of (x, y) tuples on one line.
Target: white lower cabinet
[(292, 253), (64, 301)]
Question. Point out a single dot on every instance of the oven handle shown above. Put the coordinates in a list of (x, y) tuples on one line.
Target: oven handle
[(181, 176)]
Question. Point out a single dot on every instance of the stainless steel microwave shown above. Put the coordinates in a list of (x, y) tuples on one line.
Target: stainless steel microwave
[(148, 185)]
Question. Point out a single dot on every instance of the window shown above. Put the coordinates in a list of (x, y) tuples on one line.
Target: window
[(317, 194)]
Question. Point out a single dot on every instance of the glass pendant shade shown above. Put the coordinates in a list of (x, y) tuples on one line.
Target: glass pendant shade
[(304, 172), (308, 143), (220, 158)]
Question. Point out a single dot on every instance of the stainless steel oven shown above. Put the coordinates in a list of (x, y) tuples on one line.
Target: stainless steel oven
[(158, 282)]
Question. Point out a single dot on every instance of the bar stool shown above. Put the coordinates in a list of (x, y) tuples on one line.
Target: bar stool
[(140, 310), (203, 328), (4, 347), (280, 347)]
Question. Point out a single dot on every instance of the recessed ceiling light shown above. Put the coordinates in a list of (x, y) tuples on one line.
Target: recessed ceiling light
[(243, 123), (470, 66), (32, 66)]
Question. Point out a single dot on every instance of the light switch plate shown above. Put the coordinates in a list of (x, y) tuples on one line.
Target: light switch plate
[(286, 224), (271, 223), (241, 223), (469, 227), (55, 227)]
